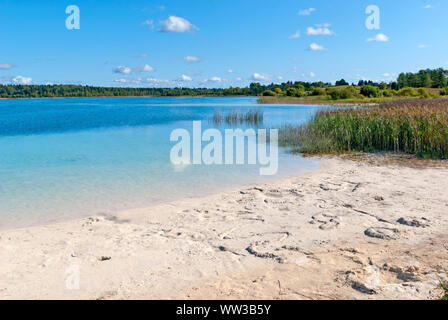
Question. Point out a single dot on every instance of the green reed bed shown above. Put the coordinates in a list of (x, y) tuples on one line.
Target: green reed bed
[(411, 126), (235, 117)]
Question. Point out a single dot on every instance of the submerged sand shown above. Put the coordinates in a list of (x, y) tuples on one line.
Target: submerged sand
[(350, 230)]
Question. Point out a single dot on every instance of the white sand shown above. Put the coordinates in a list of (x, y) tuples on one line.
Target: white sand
[(332, 234)]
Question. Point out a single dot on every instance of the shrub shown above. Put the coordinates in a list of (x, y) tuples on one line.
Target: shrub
[(344, 93), (407, 92), (316, 91), (443, 91), (278, 91), (294, 92), (269, 93), (423, 93), (389, 93), (370, 91)]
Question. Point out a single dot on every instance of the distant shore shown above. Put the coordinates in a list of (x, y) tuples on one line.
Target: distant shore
[(211, 96), (350, 230)]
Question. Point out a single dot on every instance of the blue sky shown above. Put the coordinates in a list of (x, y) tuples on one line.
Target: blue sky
[(215, 43)]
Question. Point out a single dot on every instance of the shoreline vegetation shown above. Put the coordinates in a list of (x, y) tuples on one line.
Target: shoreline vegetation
[(418, 127), (254, 117)]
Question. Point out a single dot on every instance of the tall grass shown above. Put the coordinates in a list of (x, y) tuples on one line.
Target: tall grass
[(412, 126), (235, 117)]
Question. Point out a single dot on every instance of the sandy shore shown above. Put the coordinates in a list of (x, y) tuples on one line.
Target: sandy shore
[(350, 230)]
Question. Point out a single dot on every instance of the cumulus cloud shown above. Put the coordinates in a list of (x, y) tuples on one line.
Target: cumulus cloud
[(312, 74), (261, 77), (192, 59), (422, 46), (316, 47), (176, 25), (380, 37), (230, 71), (320, 31), (215, 79), (123, 70), (388, 75), (185, 78), (5, 66), (306, 12), (428, 6), (295, 35), (22, 80), (280, 78), (145, 68)]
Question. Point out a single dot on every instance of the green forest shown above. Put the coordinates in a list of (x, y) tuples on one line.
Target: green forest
[(429, 78)]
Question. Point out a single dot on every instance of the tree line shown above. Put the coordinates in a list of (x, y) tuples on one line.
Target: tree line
[(429, 78)]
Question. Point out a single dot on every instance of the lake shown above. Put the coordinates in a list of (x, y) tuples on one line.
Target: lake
[(65, 159)]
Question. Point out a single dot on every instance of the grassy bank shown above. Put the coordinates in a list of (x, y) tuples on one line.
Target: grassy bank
[(326, 100), (417, 127)]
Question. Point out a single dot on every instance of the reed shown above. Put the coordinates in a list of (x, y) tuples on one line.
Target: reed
[(235, 117), (411, 126)]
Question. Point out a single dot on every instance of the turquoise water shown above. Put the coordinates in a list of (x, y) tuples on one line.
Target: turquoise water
[(69, 158)]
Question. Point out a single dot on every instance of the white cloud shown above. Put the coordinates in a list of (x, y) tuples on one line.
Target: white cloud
[(388, 75), (240, 79), (280, 78), (230, 71), (306, 12), (261, 77), (316, 47), (428, 6), (123, 70), (145, 68), (176, 25), (122, 80), (422, 46), (22, 80), (155, 81), (143, 81), (185, 78), (320, 31), (295, 35), (215, 79), (192, 59), (149, 23), (312, 74), (5, 66), (380, 37)]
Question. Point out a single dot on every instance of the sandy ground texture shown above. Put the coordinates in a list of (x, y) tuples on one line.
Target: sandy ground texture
[(351, 230)]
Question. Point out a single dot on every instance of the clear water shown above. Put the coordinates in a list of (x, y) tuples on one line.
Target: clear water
[(69, 158)]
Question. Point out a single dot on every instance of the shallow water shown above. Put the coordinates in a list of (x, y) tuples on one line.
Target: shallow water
[(62, 159)]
